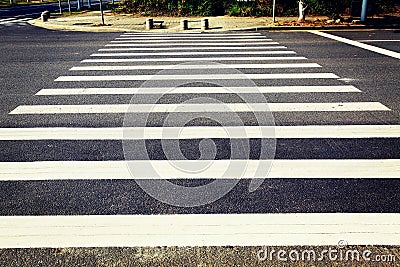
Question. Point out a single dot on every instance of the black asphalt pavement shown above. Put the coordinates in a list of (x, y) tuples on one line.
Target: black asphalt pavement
[(31, 59), (18, 15)]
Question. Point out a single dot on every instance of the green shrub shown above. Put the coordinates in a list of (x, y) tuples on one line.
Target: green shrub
[(175, 7), (332, 8), (387, 6), (235, 10)]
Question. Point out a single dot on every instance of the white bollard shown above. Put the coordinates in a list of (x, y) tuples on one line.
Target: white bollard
[(45, 16)]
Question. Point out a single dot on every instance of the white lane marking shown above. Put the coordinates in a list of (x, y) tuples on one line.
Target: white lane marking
[(191, 44), (211, 42), (199, 90), (29, 14), (358, 44), (201, 39), (182, 108), (187, 34), (191, 48), (166, 169), (17, 17), (196, 77), (372, 41), (195, 53), (188, 59), (124, 37), (202, 66), (16, 20), (7, 19), (200, 132), (292, 229)]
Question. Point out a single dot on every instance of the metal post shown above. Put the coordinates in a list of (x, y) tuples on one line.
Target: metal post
[(89, 4), (101, 11), (112, 2), (11, 2), (364, 10), (69, 6), (59, 5), (273, 11), (79, 5)]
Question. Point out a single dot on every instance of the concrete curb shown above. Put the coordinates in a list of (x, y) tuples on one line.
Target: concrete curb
[(50, 26), (309, 28)]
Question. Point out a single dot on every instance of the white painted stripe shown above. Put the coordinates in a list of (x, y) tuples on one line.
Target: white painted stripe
[(196, 77), (292, 229), (358, 44), (188, 59), (30, 14), (202, 66), (166, 169), (188, 34), (190, 37), (7, 19), (372, 41), (191, 48), (115, 43), (15, 20), (211, 42), (23, 20), (182, 108), (200, 132), (199, 90), (214, 40), (195, 53)]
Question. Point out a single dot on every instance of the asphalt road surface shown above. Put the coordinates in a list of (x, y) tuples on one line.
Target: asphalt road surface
[(329, 111), (18, 15)]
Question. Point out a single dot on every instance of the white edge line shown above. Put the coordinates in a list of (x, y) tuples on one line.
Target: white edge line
[(358, 44), (292, 229), (373, 41)]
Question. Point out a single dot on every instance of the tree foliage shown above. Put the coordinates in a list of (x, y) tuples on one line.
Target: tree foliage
[(330, 8), (175, 7)]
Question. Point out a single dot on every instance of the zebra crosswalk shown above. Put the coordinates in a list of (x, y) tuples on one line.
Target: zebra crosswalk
[(16, 20), (227, 83)]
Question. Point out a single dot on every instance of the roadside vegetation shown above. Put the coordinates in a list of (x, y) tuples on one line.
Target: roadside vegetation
[(331, 8)]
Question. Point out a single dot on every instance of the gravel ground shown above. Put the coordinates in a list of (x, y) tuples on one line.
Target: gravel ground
[(187, 256)]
